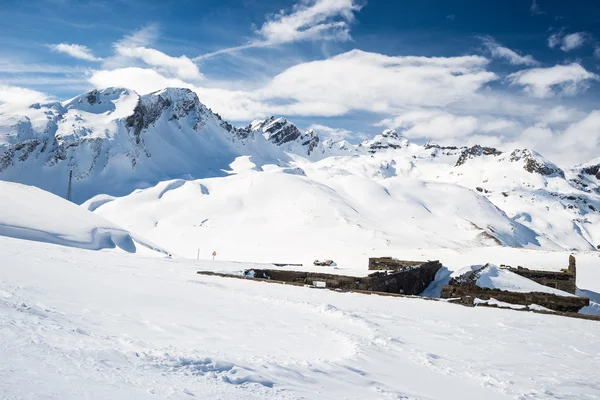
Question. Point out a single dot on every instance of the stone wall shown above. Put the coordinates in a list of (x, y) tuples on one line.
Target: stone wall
[(389, 263), (410, 281), (467, 292), (564, 280)]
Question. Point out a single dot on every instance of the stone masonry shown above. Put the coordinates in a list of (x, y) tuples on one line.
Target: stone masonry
[(564, 280), (410, 280)]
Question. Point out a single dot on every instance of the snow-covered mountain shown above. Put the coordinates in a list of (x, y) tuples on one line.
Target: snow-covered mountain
[(113, 141), (163, 164)]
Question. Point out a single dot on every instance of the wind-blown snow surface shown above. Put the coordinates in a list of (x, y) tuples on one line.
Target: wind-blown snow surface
[(29, 213), (105, 325)]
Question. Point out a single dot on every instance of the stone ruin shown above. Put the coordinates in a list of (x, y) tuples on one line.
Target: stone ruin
[(390, 263), (400, 279), (466, 291), (564, 280)]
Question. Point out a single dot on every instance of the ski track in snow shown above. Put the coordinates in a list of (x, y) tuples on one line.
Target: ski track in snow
[(81, 324)]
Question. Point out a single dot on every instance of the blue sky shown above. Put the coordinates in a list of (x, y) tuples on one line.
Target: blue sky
[(505, 73)]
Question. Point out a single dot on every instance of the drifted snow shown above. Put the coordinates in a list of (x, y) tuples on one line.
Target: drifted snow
[(29, 213), (104, 325), (278, 216), (493, 277)]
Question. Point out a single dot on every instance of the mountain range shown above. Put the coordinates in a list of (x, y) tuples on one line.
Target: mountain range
[(168, 168)]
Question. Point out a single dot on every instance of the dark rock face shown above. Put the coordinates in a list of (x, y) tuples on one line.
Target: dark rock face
[(280, 131), (92, 97), (593, 170), (433, 145), (389, 139), (476, 151), (536, 165), (21, 151), (145, 115)]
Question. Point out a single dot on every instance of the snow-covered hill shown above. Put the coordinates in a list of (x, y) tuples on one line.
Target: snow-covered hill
[(30, 213), (290, 189)]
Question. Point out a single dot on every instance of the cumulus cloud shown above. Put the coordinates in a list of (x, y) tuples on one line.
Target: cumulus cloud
[(432, 124), (134, 48), (308, 20), (572, 41), (332, 133), (14, 95), (75, 50), (180, 67), (142, 80), (577, 143), (567, 42), (359, 80), (547, 82), (441, 125), (355, 80), (499, 51)]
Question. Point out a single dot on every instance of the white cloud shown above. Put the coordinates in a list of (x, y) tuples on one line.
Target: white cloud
[(497, 125), (547, 82), (441, 125), (573, 41), (584, 135), (21, 96), (75, 50), (451, 17), (142, 80), (597, 51), (180, 67), (358, 80), (308, 20), (311, 20), (432, 124), (332, 133), (577, 143), (499, 51), (567, 42), (558, 115), (351, 81), (133, 49)]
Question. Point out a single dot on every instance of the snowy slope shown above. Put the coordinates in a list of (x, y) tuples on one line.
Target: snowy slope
[(282, 215), (101, 325), (29, 213)]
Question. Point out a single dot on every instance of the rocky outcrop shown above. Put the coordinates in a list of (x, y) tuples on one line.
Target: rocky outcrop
[(387, 140), (281, 132), (534, 163), (476, 151)]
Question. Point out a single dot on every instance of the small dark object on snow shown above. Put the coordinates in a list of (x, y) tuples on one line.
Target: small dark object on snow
[(323, 263)]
